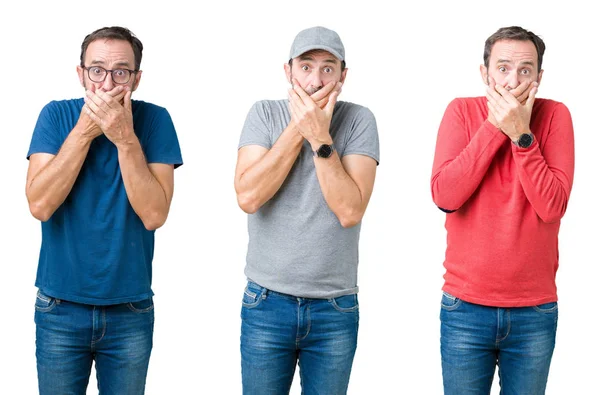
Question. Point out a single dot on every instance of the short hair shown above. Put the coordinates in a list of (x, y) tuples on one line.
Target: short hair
[(313, 51), (115, 33), (514, 33)]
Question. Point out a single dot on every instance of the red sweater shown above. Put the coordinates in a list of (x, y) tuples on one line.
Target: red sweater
[(507, 203)]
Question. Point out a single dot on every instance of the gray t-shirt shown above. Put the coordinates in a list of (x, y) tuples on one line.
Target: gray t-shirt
[(296, 243)]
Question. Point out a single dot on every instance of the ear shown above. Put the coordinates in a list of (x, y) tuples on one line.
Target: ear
[(539, 80), (136, 82), (484, 74), (343, 78), (288, 72), (81, 74)]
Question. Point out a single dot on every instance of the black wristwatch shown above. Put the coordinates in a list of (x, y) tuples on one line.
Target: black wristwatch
[(324, 151), (525, 140)]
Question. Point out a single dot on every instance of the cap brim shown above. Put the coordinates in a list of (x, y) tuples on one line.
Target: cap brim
[(302, 50)]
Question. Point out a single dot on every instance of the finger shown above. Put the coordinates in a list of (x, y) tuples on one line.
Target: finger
[(293, 104), (523, 96), (505, 94), (492, 109), (531, 98), (112, 97), (323, 92), (331, 103), (491, 81), (519, 90), (93, 107), (302, 93), (292, 114), (116, 90), (98, 100), (127, 100), (322, 103), (293, 96), (91, 114), (492, 103), (493, 96), (119, 96)]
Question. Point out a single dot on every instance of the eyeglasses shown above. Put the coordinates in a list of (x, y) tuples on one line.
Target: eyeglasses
[(119, 76)]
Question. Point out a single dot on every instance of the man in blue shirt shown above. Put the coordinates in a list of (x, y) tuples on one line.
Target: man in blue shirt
[(100, 179)]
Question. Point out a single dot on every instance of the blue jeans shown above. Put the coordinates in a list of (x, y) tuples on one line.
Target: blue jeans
[(69, 336), (475, 338), (279, 330)]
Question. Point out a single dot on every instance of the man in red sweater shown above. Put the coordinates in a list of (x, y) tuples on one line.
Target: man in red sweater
[(502, 172)]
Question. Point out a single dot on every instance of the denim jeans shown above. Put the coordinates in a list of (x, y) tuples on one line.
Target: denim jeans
[(69, 336), (280, 330), (475, 338)]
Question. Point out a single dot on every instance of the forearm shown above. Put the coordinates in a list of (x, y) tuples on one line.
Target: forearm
[(342, 194), (546, 188), (145, 193), (259, 182), (458, 171), (49, 188)]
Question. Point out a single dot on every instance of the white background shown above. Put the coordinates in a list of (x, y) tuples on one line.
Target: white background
[(207, 65)]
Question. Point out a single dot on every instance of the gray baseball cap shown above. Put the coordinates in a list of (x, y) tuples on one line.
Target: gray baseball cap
[(318, 37)]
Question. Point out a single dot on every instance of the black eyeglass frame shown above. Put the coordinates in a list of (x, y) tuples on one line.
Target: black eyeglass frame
[(107, 71)]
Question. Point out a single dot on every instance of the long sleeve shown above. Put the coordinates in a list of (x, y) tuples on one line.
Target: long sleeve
[(461, 161), (546, 168)]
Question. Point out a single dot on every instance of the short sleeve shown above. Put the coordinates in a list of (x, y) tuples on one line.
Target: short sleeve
[(257, 128), (162, 145), (363, 138), (46, 135)]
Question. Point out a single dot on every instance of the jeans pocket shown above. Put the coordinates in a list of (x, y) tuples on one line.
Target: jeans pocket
[(450, 302), (253, 295), (547, 308), (44, 303), (345, 304), (141, 306)]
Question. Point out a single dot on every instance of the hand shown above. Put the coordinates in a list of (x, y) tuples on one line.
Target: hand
[(89, 128), (311, 121), (321, 97), (105, 109), (521, 92), (491, 118), (511, 116)]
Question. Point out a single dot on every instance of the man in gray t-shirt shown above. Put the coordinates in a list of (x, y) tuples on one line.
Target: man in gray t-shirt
[(305, 172)]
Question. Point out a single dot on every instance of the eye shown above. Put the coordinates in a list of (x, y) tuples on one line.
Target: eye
[(120, 73), (328, 70), (96, 70), (525, 71), (502, 69), (305, 67)]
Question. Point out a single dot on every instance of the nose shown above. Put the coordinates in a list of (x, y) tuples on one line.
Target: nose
[(316, 82), (108, 83), (512, 80)]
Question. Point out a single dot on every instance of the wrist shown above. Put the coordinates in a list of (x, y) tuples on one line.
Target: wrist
[(128, 143), (514, 136), (87, 133), (324, 151), (317, 143), (525, 140)]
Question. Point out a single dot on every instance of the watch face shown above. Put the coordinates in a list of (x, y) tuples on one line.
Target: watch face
[(525, 140), (325, 151)]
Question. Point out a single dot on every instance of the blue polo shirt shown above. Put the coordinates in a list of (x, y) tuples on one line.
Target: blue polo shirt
[(95, 249)]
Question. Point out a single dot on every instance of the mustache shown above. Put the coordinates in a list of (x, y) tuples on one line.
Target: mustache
[(312, 90)]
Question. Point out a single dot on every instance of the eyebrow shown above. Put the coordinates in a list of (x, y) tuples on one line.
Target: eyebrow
[(118, 64), (525, 63), (310, 58)]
